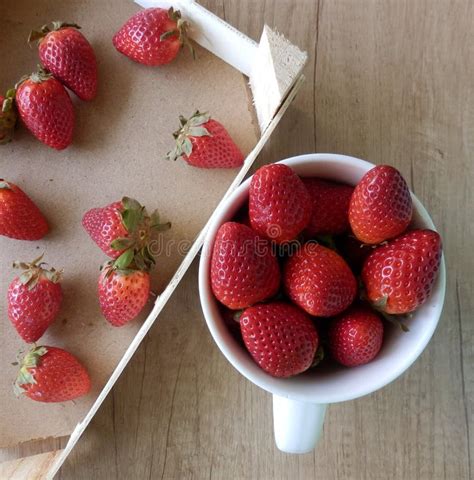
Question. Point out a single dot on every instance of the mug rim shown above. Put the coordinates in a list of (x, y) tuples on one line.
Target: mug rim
[(233, 351)]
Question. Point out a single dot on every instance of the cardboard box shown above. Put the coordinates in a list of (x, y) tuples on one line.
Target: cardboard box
[(119, 148)]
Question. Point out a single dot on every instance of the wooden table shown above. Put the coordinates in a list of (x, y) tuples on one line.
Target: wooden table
[(388, 81)]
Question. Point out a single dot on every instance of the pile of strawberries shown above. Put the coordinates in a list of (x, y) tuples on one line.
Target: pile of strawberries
[(286, 270)]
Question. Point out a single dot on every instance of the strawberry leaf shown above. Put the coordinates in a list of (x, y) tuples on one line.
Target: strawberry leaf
[(199, 132), (198, 119), (25, 277), (130, 204), (169, 33), (125, 259), (381, 303), (155, 218), (175, 153), (161, 227), (121, 243), (187, 147), (131, 219)]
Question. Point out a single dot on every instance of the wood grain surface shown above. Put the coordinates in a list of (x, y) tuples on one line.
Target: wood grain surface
[(390, 81)]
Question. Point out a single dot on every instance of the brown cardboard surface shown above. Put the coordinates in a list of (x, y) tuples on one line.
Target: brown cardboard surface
[(119, 146)]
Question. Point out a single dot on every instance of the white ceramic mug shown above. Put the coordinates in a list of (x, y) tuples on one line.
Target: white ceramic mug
[(299, 403)]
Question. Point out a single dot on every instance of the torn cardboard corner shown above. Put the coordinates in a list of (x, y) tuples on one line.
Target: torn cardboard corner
[(120, 142), (276, 67)]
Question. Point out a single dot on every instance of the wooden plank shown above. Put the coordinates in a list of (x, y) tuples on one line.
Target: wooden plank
[(390, 81), (35, 467)]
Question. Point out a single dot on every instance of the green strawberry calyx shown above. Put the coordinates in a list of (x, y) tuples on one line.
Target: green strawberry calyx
[(192, 127), (380, 306), (8, 116), (181, 30), (38, 35), (41, 75), (30, 361), (140, 226), (111, 267), (34, 271)]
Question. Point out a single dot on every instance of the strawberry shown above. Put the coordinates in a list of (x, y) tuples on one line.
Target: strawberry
[(67, 54), (34, 299), (318, 280), (51, 374), (205, 143), (244, 270), (46, 109), (123, 292), (381, 207), (279, 203), (8, 116), (330, 206), (20, 218), (280, 337), (355, 337), (153, 36), (124, 228), (399, 276)]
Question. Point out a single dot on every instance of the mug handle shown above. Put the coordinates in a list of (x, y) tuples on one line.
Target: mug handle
[(297, 425)]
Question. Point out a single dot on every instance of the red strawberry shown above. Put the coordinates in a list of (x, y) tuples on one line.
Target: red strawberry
[(122, 227), (280, 337), (34, 299), (399, 276), (8, 116), (205, 143), (319, 281), (279, 203), (381, 206), (20, 218), (67, 54), (50, 374), (46, 109), (330, 206), (244, 270), (355, 337), (123, 293), (153, 36)]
